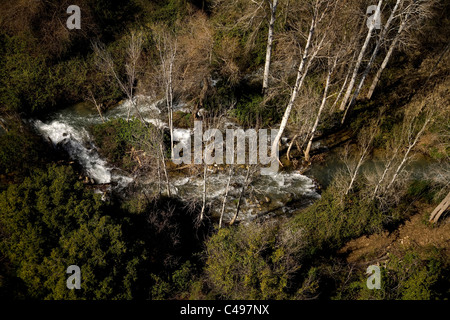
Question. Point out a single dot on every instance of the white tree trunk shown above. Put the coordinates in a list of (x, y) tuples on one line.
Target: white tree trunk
[(165, 170), (440, 209), (386, 59), (359, 60), (355, 172), (386, 170), (322, 105), (374, 53), (204, 192), (405, 157), (238, 207), (341, 91), (273, 8), (225, 197), (301, 73)]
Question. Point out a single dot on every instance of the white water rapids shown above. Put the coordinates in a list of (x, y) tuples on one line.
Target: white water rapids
[(68, 129)]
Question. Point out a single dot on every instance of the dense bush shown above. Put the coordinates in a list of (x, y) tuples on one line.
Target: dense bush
[(254, 261), (116, 138), (21, 150), (416, 274), (331, 221), (50, 222)]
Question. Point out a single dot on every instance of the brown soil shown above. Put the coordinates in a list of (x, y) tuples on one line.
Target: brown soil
[(415, 232)]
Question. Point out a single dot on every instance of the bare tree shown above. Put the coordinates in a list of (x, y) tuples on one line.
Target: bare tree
[(359, 59), (410, 16), (365, 140), (167, 47), (380, 40), (205, 167), (91, 98), (250, 169), (166, 175), (230, 175), (319, 10), (273, 8), (392, 152), (331, 68), (106, 63), (412, 139)]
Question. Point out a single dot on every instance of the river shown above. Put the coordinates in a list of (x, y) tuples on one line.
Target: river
[(266, 195)]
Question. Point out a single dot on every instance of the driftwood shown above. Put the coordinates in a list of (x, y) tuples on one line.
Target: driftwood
[(440, 209)]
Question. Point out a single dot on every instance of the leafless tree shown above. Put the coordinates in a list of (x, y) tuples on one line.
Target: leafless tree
[(319, 10), (106, 63), (273, 8), (92, 99), (412, 13), (230, 175), (166, 44), (251, 169), (332, 66), (380, 41), (412, 137), (364, 145), (359, 60)]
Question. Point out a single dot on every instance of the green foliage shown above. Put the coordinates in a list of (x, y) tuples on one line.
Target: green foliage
[(252, 261), (249, 109), (50, 222), (18, 151), (117, 137), (412, 275), (177, 285), (183, 120), (23, 77), (112, 17), (420, 189), (330, 222)]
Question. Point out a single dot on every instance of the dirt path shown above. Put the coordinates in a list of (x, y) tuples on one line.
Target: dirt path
[(415, 232)]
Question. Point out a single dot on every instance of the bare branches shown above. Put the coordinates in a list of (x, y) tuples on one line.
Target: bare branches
[(105, 62), (365, 141)]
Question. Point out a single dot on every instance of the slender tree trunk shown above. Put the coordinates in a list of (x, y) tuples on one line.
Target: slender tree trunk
[(165, 170), (171, 107), (322, 105), (386, 170), (159, 178), (204, 192), (288, 153), (225, 196), (374, 54), (301, 73), (238, 207), (386, 59), (91, 96), (355, 173), (273, 8), (342, 90), (358, 61), (405, 157)]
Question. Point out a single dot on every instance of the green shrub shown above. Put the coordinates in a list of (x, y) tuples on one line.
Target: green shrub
[(116, 138), (416, 274), (254, 261), (51, 222), (20, 150), (330, 222)]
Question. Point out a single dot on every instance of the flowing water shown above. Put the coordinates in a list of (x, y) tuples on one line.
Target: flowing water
[(265, 195), (279, 194)]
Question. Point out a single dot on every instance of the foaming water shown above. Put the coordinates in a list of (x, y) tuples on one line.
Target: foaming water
[(280, 193)]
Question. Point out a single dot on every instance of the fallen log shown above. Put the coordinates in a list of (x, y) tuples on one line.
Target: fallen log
[(440, 209)]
